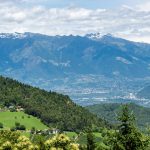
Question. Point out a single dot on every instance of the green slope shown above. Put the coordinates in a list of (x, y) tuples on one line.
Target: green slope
[(10, 118), (53, 109), (110, 111)]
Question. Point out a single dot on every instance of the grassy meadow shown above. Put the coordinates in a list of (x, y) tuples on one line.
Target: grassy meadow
[(8, 119)]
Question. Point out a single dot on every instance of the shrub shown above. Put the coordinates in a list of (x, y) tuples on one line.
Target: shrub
[(22, 127), (13, 129), (33, 130), (17, 124), (1, 125), (12, 110), (6, 146), (24, 143), (61, 142)]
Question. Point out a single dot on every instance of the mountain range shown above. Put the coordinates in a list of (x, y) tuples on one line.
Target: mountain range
[(91, 68)]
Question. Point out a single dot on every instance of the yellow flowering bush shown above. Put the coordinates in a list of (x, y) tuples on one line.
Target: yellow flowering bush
[(23, 143), (60, 142), (6, 146), (8, 136), (48, 144), (73, 146), (54, 148)]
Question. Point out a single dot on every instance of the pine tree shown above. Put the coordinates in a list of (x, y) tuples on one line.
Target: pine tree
[(90, 141), (128, 137)]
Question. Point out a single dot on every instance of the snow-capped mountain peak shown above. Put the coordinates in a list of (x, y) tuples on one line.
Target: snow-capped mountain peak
[(94, 35), (15, 35), (98, 36)]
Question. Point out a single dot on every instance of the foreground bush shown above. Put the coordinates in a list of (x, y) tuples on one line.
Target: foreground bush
[(60, 142), (14, 141)]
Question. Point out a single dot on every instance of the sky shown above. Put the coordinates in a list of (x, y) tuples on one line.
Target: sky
[(129, 19)]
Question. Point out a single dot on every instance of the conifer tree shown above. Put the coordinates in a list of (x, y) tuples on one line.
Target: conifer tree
[(90, 141), (128, 136)]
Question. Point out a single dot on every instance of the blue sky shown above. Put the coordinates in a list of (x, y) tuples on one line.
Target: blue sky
[(86, 3), (128, 19), (91, 4)]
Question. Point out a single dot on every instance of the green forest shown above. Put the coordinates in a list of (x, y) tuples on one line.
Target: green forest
[(54, 110)]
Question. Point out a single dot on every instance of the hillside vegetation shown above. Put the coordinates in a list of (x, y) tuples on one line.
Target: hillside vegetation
[(53, 109), (110, 111), (126, 136), (9, 119)]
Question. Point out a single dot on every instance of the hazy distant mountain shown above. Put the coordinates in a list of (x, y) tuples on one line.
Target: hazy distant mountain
[(58, 61)]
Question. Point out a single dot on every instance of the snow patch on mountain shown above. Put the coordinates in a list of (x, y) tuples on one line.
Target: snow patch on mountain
[(13, 35), (94, 36), (99, 36), (123, 60)]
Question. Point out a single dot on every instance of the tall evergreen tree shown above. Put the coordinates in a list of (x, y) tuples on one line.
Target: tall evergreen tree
[(90, 141), (128, 137)]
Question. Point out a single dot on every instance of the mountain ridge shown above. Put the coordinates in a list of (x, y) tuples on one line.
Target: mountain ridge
[(67, 63)]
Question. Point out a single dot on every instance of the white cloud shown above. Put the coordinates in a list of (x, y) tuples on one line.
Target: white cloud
[(144, 6), (126, 22)]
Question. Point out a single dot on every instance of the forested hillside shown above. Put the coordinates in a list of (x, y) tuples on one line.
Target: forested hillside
[(53, 109), (110, 111)]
